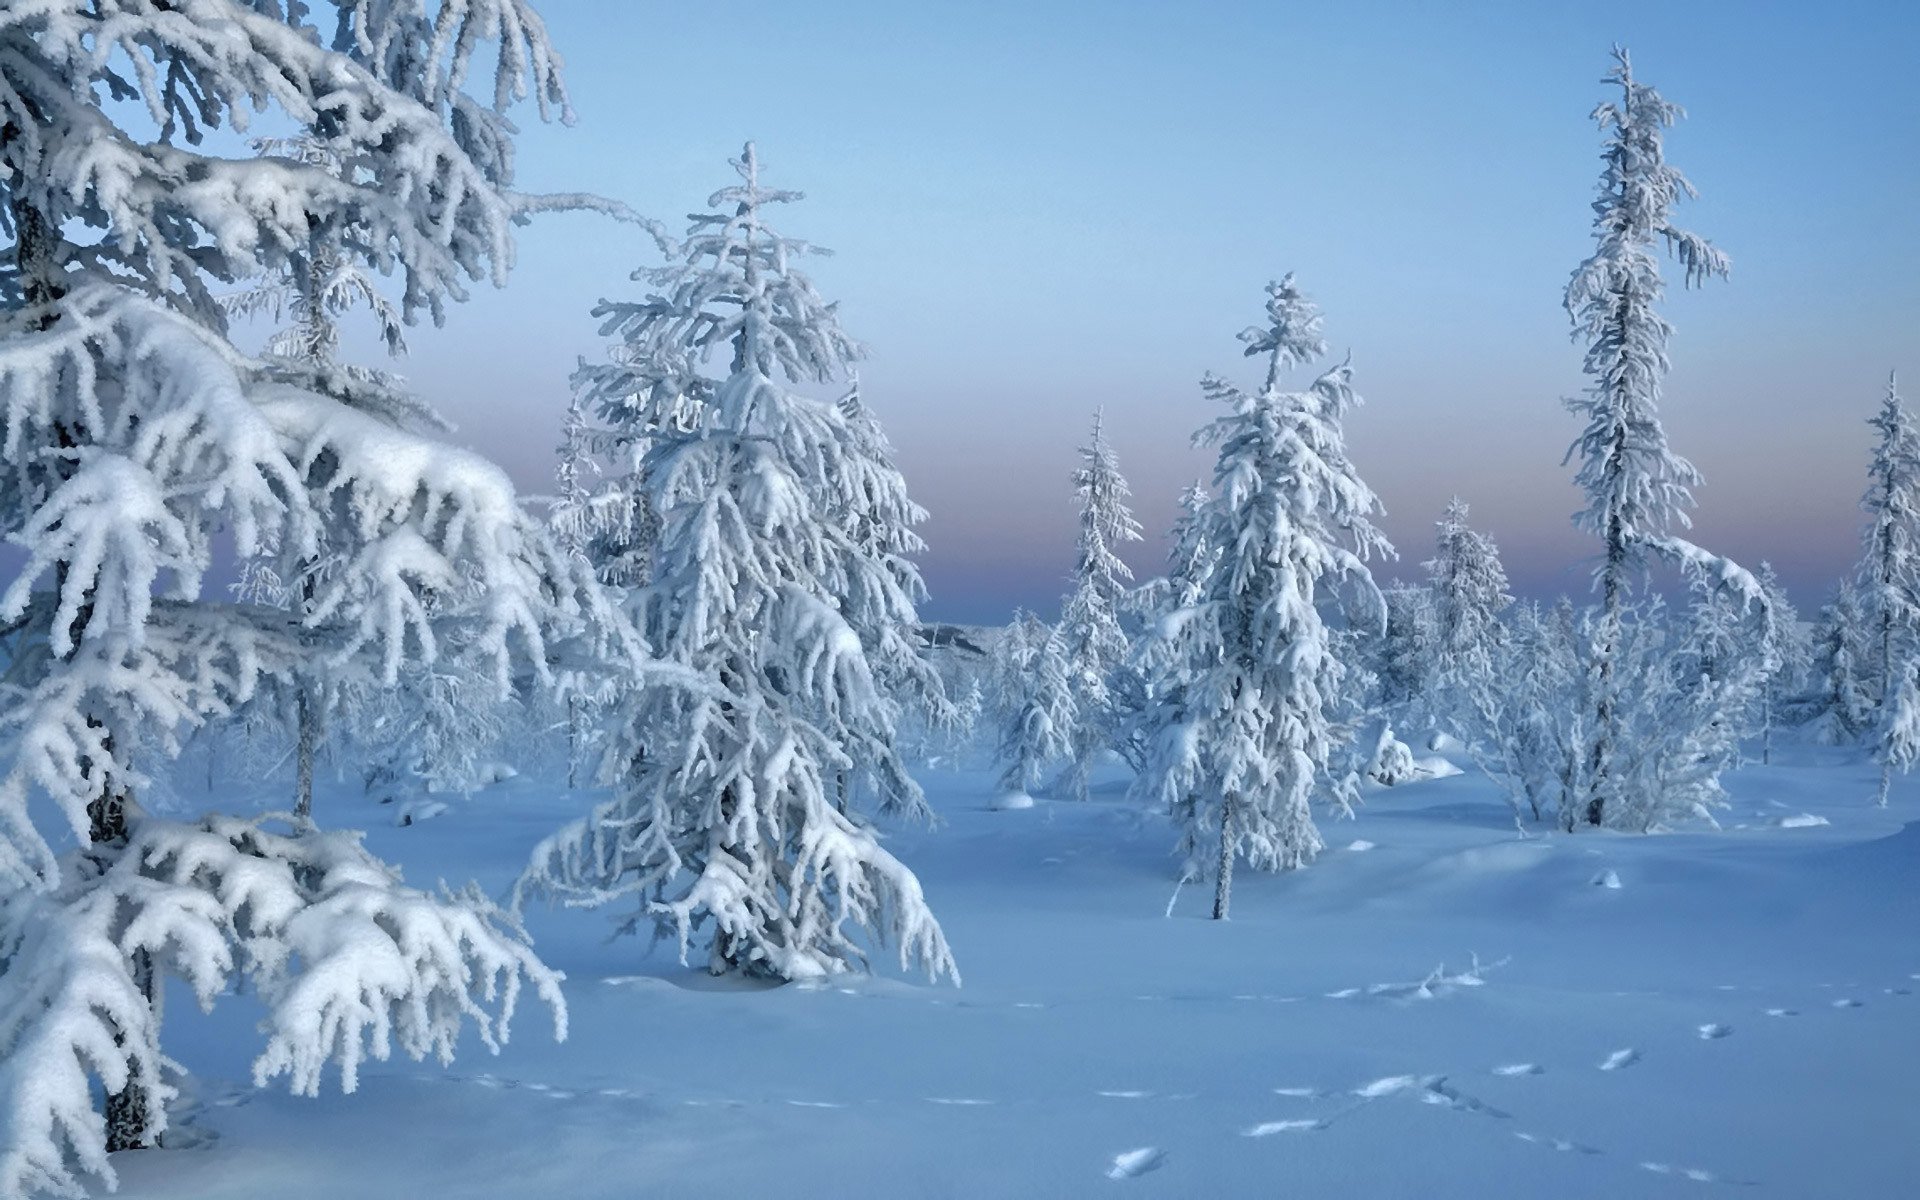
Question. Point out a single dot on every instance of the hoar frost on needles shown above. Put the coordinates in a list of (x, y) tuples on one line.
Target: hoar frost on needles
[(135, 441), (1287, 529), (732, 810)]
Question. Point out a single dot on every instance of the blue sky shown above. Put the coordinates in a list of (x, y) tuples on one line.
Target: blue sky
[(1039, 208)]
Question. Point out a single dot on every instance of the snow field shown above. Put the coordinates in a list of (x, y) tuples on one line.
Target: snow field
[(1454, 1010)]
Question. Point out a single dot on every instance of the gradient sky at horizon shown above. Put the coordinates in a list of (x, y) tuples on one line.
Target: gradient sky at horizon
[(1040, 208)]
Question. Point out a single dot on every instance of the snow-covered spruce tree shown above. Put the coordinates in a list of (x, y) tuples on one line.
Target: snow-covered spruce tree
[(1722, 661), (1403, 656), (1637, 489), (1842, 706), (1288, 529), (1040, 716), (1007, 660), (1788, 653), (306, 299), (764, 591), (1469, 587), (1090, 632), (1472, 666), (1528, 732), (594, 527), (1889, 574), (136, 442), (871, 499), (1160, 658)]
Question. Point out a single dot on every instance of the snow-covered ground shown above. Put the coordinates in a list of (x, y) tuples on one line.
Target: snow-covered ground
[(1436, 1008)]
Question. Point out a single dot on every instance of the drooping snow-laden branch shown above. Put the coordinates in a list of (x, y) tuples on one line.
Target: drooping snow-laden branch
[(349, 963)]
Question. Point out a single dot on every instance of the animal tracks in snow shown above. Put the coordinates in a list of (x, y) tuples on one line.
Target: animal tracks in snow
[(1294, 1125)]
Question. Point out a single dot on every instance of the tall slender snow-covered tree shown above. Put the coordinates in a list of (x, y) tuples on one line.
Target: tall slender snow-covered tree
[(1090, 632), (1889, 574), (766, 591), (1890, 584), (1289, 529), (1637, 489), (136, 443)]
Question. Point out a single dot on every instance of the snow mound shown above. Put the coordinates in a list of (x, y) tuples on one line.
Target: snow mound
[(1803, 821), (1609, 879), (413, 812), (1136, 1162), (1008, 801)]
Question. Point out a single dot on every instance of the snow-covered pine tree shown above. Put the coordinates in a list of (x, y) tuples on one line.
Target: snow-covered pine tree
[(306, 299), (1842, 707), (1288, 529), (1091, 637), (873, 503), (1041, 715), (1468, 585), (136, 442), (1007, 665), (1788, 653), (1889, 574), (1158, 660), (1404, 654), (1528, 731), (592, 526), (764, 592), (1637, 489), (1722, 660)]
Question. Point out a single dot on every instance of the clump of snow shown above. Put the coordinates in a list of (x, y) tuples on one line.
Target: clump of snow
[(415, 811), (1008, 801), (1136, 1162), (1609, 879), (1802, 821)]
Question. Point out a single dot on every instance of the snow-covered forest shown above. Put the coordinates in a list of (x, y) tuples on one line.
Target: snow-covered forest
[(370, 826)]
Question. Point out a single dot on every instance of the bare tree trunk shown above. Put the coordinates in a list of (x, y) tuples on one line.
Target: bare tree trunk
[(1223, 881)]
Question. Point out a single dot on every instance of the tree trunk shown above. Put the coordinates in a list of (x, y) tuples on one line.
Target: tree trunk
[(1766, 725), (1600, 765), (127, 1115), (573, 743), (1223, 881), (41, 287), (307, 739)]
